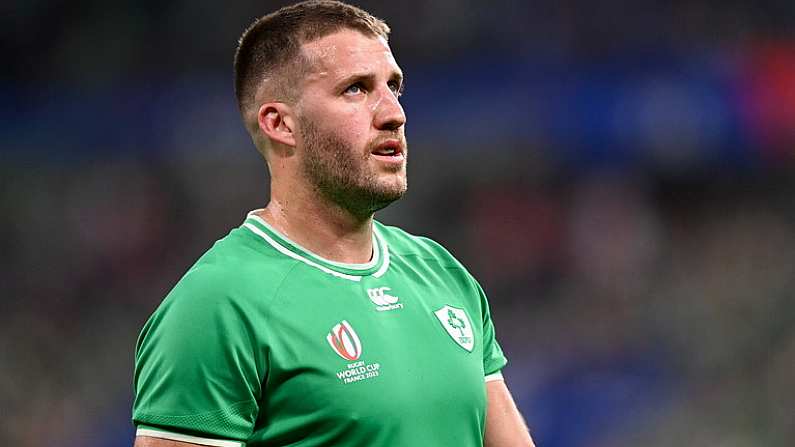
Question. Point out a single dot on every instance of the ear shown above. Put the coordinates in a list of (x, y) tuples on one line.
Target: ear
[(275, 120)]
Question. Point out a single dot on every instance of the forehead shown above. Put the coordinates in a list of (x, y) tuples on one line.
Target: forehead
[(348, 51)]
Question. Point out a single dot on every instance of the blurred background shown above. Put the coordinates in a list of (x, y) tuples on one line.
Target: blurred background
[(618, 175)]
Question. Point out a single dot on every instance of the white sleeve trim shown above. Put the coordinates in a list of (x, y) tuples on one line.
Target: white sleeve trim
[(492, 377), (187, 438)]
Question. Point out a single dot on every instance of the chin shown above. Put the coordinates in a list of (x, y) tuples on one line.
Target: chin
[(395, 186), (386, 193)]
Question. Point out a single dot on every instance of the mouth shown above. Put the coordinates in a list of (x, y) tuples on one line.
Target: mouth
[(390, 151)]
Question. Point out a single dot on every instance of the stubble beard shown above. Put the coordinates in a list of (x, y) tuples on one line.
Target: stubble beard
[(343, 176)]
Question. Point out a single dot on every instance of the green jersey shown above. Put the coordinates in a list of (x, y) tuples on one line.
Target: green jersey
[(263, 343)]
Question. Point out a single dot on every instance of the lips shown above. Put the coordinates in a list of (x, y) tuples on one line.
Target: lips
[(389, 148)]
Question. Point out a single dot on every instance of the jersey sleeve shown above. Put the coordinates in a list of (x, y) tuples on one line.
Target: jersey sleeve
[(493, 357), (197, 368)]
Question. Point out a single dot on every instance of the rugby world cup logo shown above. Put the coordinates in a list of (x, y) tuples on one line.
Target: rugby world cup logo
[(344, 341)]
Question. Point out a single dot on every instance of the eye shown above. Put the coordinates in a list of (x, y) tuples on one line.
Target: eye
[(396, 87), (354, 89)]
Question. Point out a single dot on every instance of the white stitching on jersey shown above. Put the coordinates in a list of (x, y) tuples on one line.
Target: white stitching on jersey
[(289, 253), (385, 249), (366, 266)]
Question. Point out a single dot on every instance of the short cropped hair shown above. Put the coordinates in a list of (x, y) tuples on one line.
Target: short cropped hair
[(271, 47)]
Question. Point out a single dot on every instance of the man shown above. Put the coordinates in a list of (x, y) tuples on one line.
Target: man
[(312, 324)]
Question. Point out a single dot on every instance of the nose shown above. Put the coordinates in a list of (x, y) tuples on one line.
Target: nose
[(389, 113)]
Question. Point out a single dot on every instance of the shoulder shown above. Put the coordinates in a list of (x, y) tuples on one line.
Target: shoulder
[(403, 243), (236, 270), (435, 263)]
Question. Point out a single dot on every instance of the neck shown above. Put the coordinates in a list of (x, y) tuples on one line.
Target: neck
[(323, 228)]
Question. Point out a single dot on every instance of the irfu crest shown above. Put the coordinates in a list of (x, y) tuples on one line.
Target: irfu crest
[(457, 325)]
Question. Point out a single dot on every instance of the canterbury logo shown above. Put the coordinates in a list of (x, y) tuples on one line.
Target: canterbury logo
[(380, 298), (344, 341)]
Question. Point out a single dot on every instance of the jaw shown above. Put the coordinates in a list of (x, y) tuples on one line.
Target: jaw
[(365, 192)]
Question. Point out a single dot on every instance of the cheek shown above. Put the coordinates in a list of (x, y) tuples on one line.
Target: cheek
[(354, 125), (349, 123)]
